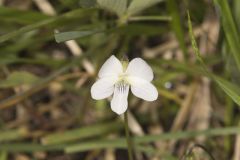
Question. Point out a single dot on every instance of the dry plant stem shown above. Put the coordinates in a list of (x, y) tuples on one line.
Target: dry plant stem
[(128, 138)]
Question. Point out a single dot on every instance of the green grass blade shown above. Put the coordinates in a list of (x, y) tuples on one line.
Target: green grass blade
[(23, 17), (150, 18), (121, 142), (81, 13), (232, 90), (30, 147), (236, 7), (176, 24), (3, 155), (82, 133), (230, 29), (10, 135)]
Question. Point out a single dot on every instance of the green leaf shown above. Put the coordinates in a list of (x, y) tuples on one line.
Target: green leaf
[(65, 36), (232, 90), (230, 29), (137, 6), (117, 6), (18, 78)]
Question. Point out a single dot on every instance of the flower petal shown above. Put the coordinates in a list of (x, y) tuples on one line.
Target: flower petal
[(139, 68), (119, 102), (143, 89), (112, 67), (103, 88)]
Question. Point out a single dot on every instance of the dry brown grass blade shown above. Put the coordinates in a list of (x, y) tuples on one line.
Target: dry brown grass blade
[(39, 86), (1, 2), (169, 45), (182, 115), (236, 155), (201, 109)]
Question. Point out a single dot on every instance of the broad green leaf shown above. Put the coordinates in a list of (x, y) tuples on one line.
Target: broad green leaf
[(18, 78), (232, 90), (230, 30), (137, 6), (117, 6), (176, 24), (65, 36)]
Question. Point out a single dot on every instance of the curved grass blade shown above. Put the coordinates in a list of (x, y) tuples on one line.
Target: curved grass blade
[(81, 13), (230, 29), (232, 90), (176, 24)]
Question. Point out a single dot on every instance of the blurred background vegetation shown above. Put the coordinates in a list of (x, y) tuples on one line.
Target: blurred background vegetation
[(51, 51)]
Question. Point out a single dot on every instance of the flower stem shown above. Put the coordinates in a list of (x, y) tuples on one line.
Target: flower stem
[(128, 138)]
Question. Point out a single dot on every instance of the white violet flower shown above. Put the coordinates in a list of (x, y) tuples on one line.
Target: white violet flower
[(116, 79)]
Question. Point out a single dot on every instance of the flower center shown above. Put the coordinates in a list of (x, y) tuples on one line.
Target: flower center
[(121, 87), (122, 78), (122, 83)]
